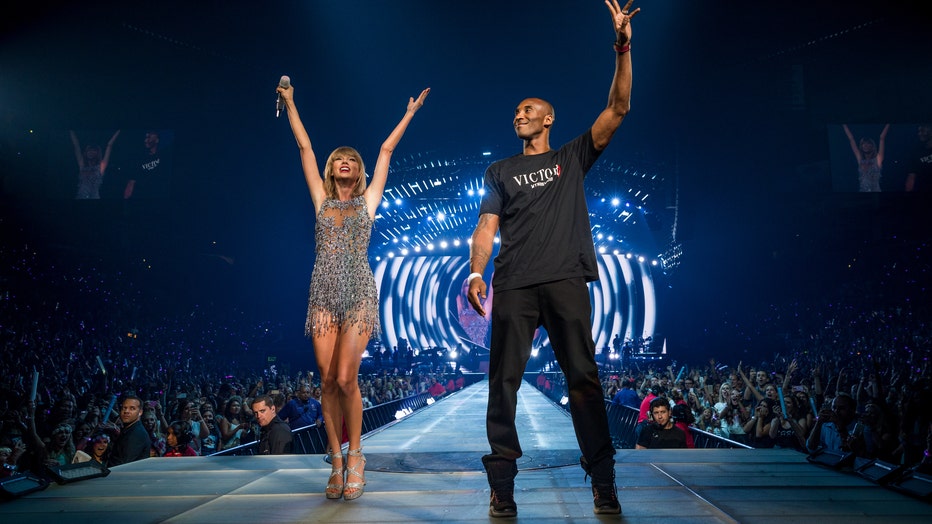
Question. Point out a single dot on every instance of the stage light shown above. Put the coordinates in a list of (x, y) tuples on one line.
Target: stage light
[(75, 472), (397, 201), (616, 202), (21, 484)]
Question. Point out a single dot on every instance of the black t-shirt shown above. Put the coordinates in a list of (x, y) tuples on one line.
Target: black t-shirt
[(275, 438), (543, 219), (133, 444), (655, 437), (922, 168), (152, 175)]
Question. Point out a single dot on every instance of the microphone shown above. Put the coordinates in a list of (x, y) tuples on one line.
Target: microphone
[(280, 104)]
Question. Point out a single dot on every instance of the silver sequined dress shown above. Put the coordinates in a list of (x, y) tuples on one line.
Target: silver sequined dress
[(343, 293)]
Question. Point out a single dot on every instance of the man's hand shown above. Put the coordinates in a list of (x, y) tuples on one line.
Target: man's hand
[(621, 19), (477, 295)]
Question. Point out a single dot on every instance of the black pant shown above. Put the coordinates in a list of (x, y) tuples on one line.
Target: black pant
[(563, 309)]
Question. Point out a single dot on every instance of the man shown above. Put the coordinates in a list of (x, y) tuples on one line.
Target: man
[(211, 443), (150, 175), (626, 396), (537, 202), (919, 177), (133, 443), (436, 389), (644, 407), (662, 433), (838, 430), (302, 410), (275, 436)]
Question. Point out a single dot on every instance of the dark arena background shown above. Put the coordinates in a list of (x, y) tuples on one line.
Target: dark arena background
[(715, 200)]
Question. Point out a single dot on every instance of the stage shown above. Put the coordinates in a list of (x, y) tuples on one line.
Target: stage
[(426, 468)]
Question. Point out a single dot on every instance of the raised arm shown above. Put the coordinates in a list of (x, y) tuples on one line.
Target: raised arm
[(315, 183), (788, 378), (852, 142), (380, 174), (749, 388), (78, 155), (882, 145), (480, 251), (619, 95), (106, 159)]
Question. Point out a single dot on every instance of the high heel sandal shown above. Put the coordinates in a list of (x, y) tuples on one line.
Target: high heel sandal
[(335, 491), (359, 487)]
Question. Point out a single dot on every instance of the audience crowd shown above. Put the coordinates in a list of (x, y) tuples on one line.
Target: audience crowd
[(852, 376), (77, 339)]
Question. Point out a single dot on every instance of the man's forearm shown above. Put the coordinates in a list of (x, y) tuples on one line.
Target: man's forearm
[(483, 238)]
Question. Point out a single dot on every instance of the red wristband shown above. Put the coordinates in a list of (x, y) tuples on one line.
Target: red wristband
[(622, 49)]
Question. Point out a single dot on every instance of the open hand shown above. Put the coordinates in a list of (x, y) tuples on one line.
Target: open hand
[(621, 18), (414, 105)]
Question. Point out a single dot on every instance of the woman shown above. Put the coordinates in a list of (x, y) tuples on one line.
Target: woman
[(342, 313), (724, 398), (231, 423), (870, 159), (82, 434), (734, 416), (60, 447), (178, 439), (91, 167), (96, 450), (758, 427), (805, 408), (786, 431), (150, 421), (211, 443), (884, 435), (683, 419)]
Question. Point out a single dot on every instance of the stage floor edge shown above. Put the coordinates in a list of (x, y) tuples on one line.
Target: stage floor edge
[(426, 468)]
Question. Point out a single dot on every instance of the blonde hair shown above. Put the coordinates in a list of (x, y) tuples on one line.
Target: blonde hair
[(330, 187)]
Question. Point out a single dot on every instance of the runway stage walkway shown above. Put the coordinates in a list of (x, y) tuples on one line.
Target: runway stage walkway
[(426, 468)]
